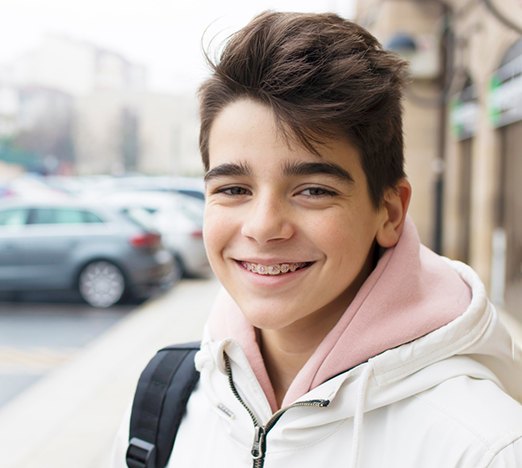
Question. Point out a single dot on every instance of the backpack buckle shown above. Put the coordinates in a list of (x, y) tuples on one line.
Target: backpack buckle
[(141, 454)]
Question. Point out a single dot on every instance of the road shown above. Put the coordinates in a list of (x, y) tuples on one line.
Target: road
[(40, 332)]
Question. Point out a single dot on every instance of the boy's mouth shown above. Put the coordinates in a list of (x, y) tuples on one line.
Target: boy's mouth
[(273, 270)]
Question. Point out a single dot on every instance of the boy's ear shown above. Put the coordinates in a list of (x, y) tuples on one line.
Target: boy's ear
[(394, 207)]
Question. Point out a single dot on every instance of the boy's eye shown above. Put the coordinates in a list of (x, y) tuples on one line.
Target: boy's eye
[(318, 192), (233, 191)]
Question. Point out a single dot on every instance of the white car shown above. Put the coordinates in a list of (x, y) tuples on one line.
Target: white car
[(179, 219)]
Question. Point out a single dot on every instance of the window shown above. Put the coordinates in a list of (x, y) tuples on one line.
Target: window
[(90, 217), (140, 217), (13, 217), (63, 216)]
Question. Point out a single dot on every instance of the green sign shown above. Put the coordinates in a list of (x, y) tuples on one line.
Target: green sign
[(463, 117), (505, 94)]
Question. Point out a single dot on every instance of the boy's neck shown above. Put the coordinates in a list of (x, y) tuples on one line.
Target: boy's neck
[(282, 361), (286, 351)]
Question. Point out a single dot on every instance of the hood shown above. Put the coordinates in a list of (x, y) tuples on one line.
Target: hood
[(411, 292)]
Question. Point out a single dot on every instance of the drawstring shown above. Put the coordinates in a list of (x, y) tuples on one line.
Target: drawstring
[(359, 415)]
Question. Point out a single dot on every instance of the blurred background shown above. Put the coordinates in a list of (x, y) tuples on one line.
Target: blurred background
[(463, 129), (101, 193)]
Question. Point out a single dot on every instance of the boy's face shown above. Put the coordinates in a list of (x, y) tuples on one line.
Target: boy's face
[(289, 234)]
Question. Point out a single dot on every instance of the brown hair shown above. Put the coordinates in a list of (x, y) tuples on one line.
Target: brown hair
[(323, 77)]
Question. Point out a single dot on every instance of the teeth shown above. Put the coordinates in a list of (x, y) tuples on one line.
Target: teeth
[(272, 270)]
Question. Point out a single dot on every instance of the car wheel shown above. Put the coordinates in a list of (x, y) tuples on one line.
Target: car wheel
[(178, 271), (101, 284)]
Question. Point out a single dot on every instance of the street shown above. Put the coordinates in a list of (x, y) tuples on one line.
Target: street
[(39, 332)]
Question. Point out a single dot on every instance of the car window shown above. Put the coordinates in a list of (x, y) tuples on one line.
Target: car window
[(63, 216), (13, 217), (90, 217), (193, 209), (140, 217)]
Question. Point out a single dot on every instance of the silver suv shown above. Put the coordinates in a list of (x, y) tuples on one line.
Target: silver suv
[(63, 245)]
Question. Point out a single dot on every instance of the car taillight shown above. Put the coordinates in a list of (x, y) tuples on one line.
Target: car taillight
[(146, 240), (198, 234)]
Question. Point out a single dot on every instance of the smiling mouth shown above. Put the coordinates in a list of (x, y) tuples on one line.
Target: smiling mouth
[(274, 270)]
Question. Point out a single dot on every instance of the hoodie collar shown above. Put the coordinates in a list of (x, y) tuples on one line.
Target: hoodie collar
[(411, 292)]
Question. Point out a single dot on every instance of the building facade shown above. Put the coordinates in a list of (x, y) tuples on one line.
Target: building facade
[(113, 123), (472, 140)]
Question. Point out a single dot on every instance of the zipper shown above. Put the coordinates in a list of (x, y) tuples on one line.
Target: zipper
[(260, 432), (258, 446)]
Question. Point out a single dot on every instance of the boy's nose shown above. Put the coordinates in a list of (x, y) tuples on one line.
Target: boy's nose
[(267, 220)]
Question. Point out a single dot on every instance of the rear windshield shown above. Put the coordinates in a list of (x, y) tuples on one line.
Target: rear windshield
[(140, 217), (193, 209)]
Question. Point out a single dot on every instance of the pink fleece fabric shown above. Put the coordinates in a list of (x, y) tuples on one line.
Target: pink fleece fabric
[(410, 293)]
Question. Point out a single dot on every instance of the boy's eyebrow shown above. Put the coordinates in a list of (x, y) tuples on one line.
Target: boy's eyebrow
[(289, 169), (311, 168), (228, 169)]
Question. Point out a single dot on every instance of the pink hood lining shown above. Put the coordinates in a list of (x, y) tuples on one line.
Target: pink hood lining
[(410, 293)]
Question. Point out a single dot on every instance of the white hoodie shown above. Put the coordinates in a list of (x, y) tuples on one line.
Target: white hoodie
[(445, 398)]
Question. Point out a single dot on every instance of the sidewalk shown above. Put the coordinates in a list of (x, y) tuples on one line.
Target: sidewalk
[(69, 418)]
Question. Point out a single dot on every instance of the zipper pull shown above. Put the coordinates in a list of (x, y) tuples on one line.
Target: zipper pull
[(258, 447)]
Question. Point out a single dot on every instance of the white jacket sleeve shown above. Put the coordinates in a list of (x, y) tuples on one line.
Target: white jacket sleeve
[(121, 442), (509, 457)]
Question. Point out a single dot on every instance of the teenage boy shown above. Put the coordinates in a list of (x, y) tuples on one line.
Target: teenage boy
[(338, 340)]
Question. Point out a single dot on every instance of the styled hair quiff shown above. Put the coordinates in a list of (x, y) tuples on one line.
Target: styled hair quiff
[(323, 77)]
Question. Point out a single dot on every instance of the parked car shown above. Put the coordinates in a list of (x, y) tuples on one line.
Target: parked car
[(179, 219), (191, 186), (29, 185), (100, 252)]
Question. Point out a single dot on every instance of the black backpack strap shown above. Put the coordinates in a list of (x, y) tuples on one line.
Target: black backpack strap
[(159, 403)]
